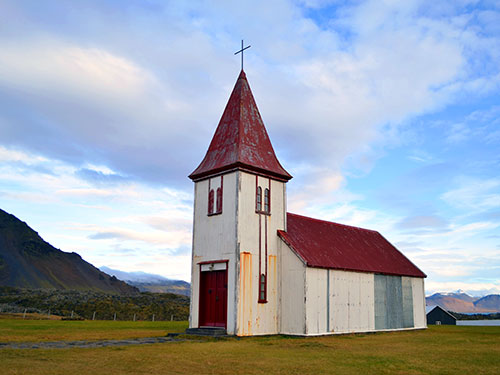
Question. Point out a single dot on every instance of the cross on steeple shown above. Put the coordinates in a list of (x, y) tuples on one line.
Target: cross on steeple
[(241, 51)]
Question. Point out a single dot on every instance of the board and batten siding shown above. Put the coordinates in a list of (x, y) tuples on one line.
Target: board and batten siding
[(339, 301)]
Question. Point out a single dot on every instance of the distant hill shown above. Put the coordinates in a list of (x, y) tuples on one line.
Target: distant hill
[(463, 303), (147, 282), (27, 261)]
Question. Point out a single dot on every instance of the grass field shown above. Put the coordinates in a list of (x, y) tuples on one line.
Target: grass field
[(437, 350)]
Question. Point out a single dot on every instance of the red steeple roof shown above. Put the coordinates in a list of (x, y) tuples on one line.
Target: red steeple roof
[(241, 140), (324, 244)]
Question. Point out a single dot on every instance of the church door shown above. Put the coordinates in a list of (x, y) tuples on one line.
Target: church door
[(213, 298)]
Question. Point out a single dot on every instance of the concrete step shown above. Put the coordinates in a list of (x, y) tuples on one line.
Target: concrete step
[(206, 331)]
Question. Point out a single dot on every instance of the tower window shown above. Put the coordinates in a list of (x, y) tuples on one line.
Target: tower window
[(262, 289), (219, 201), (267, 201), (211, 202), (258, 205)]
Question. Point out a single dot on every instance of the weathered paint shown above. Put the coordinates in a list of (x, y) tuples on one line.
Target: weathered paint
[(257, 235), (214, 238), (407, 302), (246, 294)]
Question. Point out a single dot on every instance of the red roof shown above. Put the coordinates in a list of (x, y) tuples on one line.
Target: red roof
[(324, 244), (241, 140)]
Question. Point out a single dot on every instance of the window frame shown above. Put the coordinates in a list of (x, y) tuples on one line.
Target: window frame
[(211, 202), (258, 199), (262, 288)]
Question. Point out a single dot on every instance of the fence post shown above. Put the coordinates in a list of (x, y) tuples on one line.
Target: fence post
[(24, 314), (114, 317), (71, 314), (93, 315), (171, 317), (153, 317), (134, 317)]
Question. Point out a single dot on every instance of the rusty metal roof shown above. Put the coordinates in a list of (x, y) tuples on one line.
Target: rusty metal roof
[(324, 244), (241, 140)]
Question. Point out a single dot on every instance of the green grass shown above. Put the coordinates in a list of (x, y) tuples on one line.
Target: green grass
[(438, 350), (53, 330)]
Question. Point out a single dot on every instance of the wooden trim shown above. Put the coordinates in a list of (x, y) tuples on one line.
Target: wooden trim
[(214, 261)]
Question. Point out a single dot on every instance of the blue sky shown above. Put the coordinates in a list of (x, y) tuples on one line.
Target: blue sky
[(386, 113)]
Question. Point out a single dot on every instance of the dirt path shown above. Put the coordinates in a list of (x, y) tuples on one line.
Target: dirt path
[(85, 344)]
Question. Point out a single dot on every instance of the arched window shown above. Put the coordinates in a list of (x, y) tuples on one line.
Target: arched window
[(219, 200), (258, 205), (267, 201), (211, 202), (262, 288)]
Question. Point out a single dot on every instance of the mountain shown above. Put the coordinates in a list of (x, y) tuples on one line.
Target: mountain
[(463, 303), (27, 261), (148, 282), (491, 302)]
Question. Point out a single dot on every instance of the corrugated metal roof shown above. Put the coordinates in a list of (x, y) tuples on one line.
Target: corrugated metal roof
[(241, 140), (324, 244)]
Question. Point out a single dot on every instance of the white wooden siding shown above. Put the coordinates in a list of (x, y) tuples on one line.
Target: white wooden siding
[(418, 291), (292, 292)]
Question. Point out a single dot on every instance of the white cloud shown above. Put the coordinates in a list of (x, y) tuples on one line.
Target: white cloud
[(472, 288), (475, 194)]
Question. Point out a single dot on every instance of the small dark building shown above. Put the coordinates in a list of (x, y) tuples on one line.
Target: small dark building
[(437, 315)]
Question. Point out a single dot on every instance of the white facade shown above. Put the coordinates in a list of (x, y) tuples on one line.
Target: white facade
[(239, 235)]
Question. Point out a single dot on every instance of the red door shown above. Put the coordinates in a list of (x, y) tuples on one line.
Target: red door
[(213, 299)]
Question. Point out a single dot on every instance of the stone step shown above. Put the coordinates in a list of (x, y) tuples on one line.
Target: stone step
[(206, 331)]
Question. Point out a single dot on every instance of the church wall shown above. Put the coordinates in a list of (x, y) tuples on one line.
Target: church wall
[(418, 293), (316, 301), (339, 301), (256, 231), (351, 301), (292, 292), (214, 238)]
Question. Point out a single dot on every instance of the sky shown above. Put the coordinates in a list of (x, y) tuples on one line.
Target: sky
[(387, 114)]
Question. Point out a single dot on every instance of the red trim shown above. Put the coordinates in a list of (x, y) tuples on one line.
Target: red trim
[(256, 191), (220, 190), (214, 261), (260, 246), (269, 196), (266, 260)]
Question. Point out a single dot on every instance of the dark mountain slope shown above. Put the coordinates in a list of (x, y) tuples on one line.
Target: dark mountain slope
[(27, 261)]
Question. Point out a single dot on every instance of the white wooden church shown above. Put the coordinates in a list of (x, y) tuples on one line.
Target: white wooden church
[(259, 270)]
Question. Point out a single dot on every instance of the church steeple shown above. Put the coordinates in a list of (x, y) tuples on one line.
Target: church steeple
[(241, 140)]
